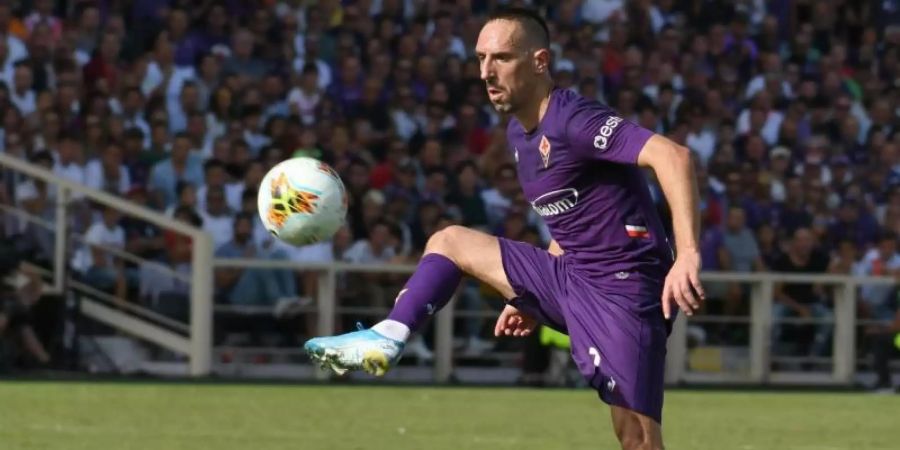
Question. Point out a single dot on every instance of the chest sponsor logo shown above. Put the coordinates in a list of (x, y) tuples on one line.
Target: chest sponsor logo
[(556, 202), (601, 140)]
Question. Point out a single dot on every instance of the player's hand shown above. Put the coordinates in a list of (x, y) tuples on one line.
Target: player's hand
[(513, 322), (683, 286)]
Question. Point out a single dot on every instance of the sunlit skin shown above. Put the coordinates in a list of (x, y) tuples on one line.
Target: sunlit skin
[(515, 71)]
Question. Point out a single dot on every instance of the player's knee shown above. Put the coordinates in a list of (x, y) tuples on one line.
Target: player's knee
[(446, 242)]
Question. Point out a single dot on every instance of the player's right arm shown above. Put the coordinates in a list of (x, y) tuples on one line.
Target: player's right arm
[(597, 133)]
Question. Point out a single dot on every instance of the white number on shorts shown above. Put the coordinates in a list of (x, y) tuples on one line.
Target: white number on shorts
[(596, 354)]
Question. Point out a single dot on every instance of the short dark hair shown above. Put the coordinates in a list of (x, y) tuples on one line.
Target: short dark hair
[(243, 216), (887, 235), (213, 163), (531, 21)]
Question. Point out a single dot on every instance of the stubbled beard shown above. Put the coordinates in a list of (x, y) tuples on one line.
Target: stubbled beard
[(504, 108)]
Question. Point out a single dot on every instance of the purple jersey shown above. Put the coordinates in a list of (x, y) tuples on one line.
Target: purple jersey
[(578, 169)]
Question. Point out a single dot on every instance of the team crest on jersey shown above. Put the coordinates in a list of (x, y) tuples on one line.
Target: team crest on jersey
[(544, 147)]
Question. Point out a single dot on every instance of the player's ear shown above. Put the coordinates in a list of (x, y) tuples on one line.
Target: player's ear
[(542, 61)]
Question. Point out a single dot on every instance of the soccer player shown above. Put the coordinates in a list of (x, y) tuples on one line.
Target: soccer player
[(610, 278)]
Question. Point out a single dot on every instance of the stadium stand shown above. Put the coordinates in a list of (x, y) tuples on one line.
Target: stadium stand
[(791, 110)]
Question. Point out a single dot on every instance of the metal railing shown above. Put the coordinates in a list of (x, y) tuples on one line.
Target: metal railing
[(760, 320), (200, 336)]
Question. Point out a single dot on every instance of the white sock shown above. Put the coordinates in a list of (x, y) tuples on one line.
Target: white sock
[(392, 329)]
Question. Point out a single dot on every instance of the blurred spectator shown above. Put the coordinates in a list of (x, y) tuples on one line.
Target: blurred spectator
[(498, 199), (218, 218), (467, 196), (107, 172), (883, 339), (100, 268), (16, 303), (883, 260), (181, 165), (251, 286), (803, 300)]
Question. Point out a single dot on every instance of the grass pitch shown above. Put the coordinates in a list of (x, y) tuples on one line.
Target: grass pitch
[(123, 416)]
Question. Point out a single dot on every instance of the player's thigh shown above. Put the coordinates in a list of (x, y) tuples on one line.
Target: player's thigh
[(619, 349), (635, 430), (513, 268)]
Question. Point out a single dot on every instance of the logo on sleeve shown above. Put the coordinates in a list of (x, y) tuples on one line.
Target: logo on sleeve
[(601, 140)]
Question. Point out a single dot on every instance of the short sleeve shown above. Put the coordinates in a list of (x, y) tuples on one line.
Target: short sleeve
[(93, 175), (120, 236), (597, 133), (94, 234)]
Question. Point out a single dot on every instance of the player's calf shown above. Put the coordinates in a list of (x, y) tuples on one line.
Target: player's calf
[(636, 431), (449, 253)]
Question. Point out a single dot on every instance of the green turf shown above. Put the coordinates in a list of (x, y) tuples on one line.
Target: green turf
[(124, 416)]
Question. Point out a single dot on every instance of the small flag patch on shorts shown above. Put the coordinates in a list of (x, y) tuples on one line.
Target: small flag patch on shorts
[(637, 231)]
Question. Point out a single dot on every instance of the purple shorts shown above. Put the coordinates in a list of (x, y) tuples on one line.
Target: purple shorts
[(618, 343)]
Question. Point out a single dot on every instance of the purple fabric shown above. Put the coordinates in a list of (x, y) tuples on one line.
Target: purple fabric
[(577, 170), (427, 291), (618, 341)]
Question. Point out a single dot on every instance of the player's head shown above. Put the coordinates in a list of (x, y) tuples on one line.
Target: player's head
[(513, 50)]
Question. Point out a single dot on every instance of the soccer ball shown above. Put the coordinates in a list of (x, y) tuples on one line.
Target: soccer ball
[(302, 201)]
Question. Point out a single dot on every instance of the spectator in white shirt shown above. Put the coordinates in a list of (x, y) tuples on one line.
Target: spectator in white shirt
[(305, 96), (133, 112), (12, 50), (379, 247), (69, 159), (761, 118), (883, 260), (22, 95), (108, 173), (99, 267), (218, 219), (36, 198), (252, 286), (215, 175), (180, 107)]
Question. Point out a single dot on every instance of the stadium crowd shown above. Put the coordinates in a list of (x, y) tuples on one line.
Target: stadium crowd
[(790, 107)]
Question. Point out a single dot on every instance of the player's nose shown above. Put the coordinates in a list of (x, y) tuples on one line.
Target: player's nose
[(487, 74)]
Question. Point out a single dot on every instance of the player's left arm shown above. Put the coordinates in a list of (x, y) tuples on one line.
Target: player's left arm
[(596, 133), (674, 169)]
